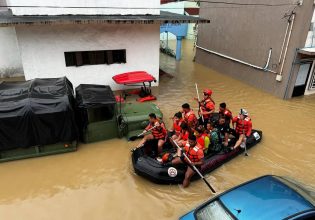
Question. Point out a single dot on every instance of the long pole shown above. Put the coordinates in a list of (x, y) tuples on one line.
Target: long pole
[(203, 120), (195, 168)]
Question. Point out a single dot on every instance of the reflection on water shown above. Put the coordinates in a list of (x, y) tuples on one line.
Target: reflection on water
[(98, 182)]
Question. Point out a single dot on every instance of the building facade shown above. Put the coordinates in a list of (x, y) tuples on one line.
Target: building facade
[(86, 41), (260, 43)]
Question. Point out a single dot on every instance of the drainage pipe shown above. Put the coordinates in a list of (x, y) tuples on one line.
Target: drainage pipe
[(285, 37), (240, 61), (287, 45)]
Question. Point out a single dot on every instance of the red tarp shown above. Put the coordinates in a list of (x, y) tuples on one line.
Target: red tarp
[(133, 77)]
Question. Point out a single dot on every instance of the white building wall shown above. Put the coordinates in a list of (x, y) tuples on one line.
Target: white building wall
[(112, 7), (42, 49), (10, 60)]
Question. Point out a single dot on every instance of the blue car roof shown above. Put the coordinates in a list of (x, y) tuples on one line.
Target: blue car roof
[(264, 198)]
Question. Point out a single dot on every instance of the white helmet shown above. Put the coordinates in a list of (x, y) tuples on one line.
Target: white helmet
[(243, 112)]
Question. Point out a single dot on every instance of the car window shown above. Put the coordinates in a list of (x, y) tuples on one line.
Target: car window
[(213, 210)]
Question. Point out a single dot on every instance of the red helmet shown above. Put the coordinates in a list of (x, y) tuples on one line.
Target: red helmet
[(207, 92)]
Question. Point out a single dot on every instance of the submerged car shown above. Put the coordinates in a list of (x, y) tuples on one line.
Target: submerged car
[(267, 197)]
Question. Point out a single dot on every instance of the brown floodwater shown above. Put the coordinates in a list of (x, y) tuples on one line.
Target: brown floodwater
[(98, 181)]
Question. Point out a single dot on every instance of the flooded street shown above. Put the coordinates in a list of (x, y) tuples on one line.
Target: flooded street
[(98, 182)]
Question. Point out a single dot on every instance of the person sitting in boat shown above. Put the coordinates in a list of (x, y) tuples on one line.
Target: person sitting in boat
[(189, 116), (184, 133), (224, 130), (243, 128), (207, 107), (194, 152), (215, 140), (224, 111), (158, 132), (176, 128), (202, 138)]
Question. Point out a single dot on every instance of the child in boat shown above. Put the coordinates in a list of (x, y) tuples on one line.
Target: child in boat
[(184, 133), (215, 142), (224, 130), (176, 128), (202, 138)]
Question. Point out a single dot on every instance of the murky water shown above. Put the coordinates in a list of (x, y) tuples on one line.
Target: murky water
[(98, 182)]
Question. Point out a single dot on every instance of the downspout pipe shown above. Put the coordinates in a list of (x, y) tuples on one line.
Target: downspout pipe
[(279, 76), (290, 74), (285, 37), (265, 68)]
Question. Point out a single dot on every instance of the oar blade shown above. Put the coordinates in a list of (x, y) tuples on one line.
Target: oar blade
[(133, 138), (208, 184)]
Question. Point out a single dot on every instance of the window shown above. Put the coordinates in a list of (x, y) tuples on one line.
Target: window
[(82, 58), (104, 113)]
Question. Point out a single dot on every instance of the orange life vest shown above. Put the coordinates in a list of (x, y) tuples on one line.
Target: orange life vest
[(207, 105), (243, 126), (227, 113), (195, 154), (158, 132), (190, 118)]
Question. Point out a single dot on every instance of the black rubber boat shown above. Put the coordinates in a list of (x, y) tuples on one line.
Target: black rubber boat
[(148, 167)]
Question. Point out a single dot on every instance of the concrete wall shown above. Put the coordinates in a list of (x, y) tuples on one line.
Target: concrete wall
[(42, 49), (247, 33), (10, 59), (143, 7)]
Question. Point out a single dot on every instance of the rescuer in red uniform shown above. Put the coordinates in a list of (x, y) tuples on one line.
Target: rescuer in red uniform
[(206, 107), (243, 127), (195, 153), (158, 132)]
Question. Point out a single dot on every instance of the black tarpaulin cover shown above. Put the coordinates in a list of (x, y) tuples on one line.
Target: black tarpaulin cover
[(89, 95), (89, 98), (36, 112)]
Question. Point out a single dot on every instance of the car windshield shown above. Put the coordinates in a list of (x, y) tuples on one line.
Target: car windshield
[(213, 210)]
